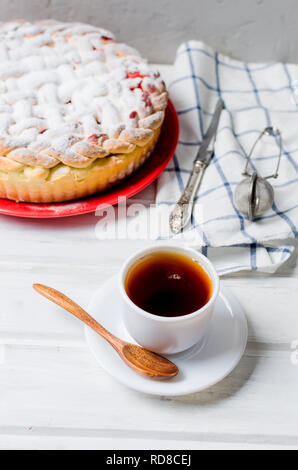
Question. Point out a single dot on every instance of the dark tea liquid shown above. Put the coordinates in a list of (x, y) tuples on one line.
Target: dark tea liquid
[(168, 284)]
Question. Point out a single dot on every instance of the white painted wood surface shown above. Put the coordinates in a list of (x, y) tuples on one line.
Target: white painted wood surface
[(54, 395)]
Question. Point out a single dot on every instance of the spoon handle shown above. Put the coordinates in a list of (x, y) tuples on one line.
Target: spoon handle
[(69, 305)]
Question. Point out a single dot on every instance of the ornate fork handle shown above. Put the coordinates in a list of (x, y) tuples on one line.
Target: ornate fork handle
[(182, 211)]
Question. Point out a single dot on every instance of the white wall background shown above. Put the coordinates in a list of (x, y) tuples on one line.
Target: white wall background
[(253, 30)]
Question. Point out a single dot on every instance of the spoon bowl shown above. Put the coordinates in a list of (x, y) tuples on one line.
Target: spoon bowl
[(148, 363)]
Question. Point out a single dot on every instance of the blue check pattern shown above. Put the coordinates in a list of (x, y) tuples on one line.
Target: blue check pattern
[(255, 96)]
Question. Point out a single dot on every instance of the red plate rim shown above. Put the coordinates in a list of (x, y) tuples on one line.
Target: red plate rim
[(161, 156)]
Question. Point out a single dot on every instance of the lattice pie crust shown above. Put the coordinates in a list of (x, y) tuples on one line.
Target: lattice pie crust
[(79, 111)]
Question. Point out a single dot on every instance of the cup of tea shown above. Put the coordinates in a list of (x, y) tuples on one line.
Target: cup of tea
[(168, 296)]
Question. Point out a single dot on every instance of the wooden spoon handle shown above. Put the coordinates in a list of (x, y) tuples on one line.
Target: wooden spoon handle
[(69, 305)]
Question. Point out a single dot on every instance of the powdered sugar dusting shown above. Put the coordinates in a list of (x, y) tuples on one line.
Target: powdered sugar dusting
[(62, 82)]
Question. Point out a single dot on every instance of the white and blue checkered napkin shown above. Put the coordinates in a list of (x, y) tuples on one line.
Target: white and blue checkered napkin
[(255, 96)]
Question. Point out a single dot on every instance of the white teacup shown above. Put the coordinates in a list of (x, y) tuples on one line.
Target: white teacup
[(168, 335)]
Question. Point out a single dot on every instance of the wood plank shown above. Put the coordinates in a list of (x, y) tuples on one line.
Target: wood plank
[(270, 302), (52, 389), (35, 441)]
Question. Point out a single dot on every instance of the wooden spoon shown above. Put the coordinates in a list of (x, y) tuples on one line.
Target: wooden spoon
[(139, 359)]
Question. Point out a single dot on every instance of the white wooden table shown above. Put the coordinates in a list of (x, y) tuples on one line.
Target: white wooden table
[(53, 394)]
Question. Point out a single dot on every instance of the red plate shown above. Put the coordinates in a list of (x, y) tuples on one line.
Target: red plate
[(163, 153)]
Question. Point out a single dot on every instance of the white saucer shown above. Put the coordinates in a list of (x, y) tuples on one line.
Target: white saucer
[(199, 367)]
